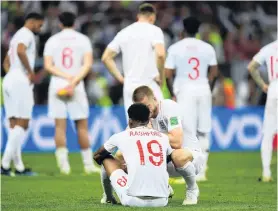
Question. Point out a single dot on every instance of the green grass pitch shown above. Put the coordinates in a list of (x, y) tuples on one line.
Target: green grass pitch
[(233, 185)]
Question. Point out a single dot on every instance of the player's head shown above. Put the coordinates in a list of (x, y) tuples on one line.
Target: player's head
[(147, 12), (138, 114), (144, 94), (34, 22), (191, 26), (67, 19)]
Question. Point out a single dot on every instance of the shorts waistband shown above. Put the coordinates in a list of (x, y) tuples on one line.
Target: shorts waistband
[(149, 197)]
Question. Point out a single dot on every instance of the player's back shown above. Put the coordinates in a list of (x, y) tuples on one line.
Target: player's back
[(191, 58), (136, 43), (67, 49), (145, 152), (26, 37)]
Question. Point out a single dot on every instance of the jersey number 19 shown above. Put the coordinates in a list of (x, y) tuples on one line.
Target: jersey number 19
[(152, 154)]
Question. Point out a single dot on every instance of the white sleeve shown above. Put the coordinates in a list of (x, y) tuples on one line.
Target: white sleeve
[(169, 148), (115, 45), (260, 57), (158, 37), (170, 60), (48, 49), (213, 60), (87, 46), (174, 119), (25, 38), (112, 144)]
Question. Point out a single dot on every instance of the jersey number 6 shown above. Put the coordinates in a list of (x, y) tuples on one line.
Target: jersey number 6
[(67, 59), (195, 62), (153, 154)]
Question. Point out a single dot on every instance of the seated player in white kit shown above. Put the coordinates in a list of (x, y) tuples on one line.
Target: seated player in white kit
[(267, 55), (143, 55), (68, 57), (144, 151), (193, 62), (18, 92)]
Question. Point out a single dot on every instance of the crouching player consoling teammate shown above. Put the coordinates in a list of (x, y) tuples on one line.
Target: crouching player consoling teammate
[(145, 151)]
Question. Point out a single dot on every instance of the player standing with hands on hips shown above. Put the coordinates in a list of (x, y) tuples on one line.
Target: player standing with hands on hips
[(195, 67), (68, 57), (143, 52), (18, 92), (268, 56)]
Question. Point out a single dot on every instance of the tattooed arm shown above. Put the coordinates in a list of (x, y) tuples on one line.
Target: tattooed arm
[(253, 69)]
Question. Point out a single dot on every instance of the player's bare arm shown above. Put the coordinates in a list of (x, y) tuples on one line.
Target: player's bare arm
[(175, 137), (160, 60), (21, 52), (253, 69), (108, 60), (52, 69), (212, 75), (169, 73), (85, 69), (6, 63)]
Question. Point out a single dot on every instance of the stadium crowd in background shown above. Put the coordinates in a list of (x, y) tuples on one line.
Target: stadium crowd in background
[(236, 30)]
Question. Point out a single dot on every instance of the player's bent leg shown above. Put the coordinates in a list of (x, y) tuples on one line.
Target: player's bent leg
[(107, 196), (61, 149), (86, 151), (119, 182), (182, 159)]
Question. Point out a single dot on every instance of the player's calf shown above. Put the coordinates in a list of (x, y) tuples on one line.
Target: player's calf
[(86, 151)]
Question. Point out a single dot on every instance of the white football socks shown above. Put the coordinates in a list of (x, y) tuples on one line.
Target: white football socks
[(204, 142), (13, 144), (189, 175), (87, 157), (62, 159), (266, 154), (18, 163)]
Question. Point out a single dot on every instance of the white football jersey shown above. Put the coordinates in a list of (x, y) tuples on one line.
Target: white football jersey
[(170, 117), (26, 37), (191, 59), (67, 48), (144, 151), (136, 42), (269, 55)]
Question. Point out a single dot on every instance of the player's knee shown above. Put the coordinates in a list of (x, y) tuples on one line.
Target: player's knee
[(180, 157)]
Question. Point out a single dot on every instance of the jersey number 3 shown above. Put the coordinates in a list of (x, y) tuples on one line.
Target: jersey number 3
[(196, 63), (152, 154), (67, 59)]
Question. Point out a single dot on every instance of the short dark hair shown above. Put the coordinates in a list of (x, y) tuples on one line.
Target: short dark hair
[(67, 19), (140, 92), (146, 9), (191, 25), (34, 15), (139, 112)]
